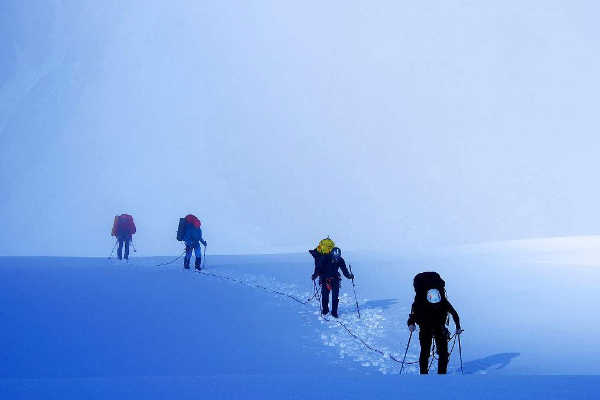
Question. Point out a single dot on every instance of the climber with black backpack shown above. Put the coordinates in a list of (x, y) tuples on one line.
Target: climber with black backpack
[(327, 269), (430, 311), (189, 232), (123, 229)]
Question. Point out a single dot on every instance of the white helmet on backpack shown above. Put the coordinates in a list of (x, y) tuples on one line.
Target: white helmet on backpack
[(434, 296)]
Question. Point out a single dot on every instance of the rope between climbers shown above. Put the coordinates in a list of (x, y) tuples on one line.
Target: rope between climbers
[(316, 295)]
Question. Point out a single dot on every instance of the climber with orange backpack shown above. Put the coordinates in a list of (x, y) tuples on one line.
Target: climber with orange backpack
[(189, 232), (123, 229)]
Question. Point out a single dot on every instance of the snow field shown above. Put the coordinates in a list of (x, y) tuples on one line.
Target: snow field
[(94, 328)]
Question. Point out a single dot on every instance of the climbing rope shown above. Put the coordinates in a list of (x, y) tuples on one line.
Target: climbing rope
[(170, 262), (316, 295), (257, 286), (134, 262), (433, 357)]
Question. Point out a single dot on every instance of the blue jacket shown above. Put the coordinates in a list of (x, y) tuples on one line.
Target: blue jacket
[(193, 235)]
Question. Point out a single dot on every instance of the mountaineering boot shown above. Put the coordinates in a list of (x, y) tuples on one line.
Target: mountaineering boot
[(423, 367), (334, 307), (442, 365), (443, 361), (186, 263), (197, 265), (324, 300)]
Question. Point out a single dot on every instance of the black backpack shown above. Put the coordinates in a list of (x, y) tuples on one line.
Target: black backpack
[(182, 229), (425, 281)]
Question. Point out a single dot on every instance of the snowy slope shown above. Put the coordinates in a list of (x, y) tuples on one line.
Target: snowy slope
[(93, 317), (79, 324)]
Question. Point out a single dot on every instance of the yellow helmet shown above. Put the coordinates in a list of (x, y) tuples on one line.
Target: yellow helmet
[(325, 246)]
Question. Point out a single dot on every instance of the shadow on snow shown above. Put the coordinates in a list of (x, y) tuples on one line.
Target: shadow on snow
[(384, 304), (488, 364)]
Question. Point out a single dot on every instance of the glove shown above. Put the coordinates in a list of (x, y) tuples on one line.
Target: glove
[(205, 243), (351, 276), (411, 328), (459, 331), (314, 276)]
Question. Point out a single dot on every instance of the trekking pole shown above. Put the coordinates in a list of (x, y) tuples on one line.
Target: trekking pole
[(318, 294), (406, 352), (460, 353), (134, 249), (204, 256), (314, 293), (113, 250), (432, 355), (354, 288)]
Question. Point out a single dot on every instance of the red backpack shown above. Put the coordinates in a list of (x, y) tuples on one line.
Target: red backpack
[(193, 220), (123, 225)]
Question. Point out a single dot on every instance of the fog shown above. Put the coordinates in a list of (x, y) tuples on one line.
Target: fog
[(386, 125)]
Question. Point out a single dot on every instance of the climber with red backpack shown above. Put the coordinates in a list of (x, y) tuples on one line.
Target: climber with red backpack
[(430, 311), (189, 232), (123, 229)]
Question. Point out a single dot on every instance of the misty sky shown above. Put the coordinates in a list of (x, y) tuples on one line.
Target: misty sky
[(385, 124)]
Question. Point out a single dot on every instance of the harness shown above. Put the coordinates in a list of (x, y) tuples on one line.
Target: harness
[(328, 283)]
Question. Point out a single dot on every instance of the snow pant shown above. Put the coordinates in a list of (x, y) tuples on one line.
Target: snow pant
[(195, 246), (426, 335), (120, 249), (335, 295)]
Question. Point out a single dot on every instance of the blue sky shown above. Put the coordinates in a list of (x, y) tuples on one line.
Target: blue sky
[(385, 125)]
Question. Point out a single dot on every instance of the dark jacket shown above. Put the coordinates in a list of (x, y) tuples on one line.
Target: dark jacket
[(326, 268), (432, 315)]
